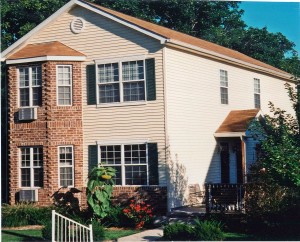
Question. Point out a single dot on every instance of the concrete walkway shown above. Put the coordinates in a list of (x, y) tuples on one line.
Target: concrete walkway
[(148, 235)]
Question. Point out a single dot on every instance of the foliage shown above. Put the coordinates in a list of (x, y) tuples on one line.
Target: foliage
[(179, 231), (201, 230), (208, 230), (23, 214), (99, 190), (116, 218), (47, 230), (98, 231), (139, 212)]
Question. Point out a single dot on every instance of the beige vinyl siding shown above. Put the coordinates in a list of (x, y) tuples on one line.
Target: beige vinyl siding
[(103, 39), (194, 109)]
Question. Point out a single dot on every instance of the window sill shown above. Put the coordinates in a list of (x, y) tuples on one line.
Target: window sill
[(107, 105)]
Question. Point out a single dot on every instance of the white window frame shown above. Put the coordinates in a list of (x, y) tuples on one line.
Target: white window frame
[(30, 86), (65, 166), (123, 165), (31, 167), (120, 82), (224, 87), (257, 92), (71, 85)]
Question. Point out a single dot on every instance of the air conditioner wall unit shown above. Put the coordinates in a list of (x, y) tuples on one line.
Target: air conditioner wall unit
[(28, 114), (28, 196)]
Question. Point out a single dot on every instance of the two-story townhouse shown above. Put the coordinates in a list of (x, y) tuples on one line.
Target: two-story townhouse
[(93, 86)]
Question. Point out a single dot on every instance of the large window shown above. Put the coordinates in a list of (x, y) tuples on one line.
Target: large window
[(224, 86), (121, 82), (31, 165), (64, 85), (66, 166), (256, 93), (130, 162), (30, 86)]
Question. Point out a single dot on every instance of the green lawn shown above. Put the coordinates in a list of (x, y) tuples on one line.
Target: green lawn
[(36, 235)]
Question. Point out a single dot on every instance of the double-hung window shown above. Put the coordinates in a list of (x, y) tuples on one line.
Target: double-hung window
[(30, 86), (121, 81), (224, 86), (66, 166), (130, 162), (256, 93), (31, 165), (64, 85)]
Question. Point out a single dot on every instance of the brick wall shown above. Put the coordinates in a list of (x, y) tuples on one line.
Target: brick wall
[(56, 125)]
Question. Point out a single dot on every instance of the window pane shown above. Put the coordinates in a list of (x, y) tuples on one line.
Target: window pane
[(66, 156), (108, 73), (134, 91), (24, 77), (66, 176), (36, 96), (256, 85), (135, 154), (64, 95), (25, 177), (224, 95), (36, 76), (38, 177), (118, 178), (136, 175), (24, 97), (109, 93), (25, 157), (37, 157), (133, 70), (257, 100), (110, 155)]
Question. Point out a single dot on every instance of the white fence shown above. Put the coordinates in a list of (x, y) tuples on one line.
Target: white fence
[(65, 229)]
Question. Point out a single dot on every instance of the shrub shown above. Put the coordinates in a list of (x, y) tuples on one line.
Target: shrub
[(23, 214), (179, 231), (47, 230), (208, 230), (116, 218), (98, 231), (139, 212)]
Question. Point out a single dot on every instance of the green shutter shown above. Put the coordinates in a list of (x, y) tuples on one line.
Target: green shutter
[(92, 156), (153, 163), (91, 84), (150, 79)]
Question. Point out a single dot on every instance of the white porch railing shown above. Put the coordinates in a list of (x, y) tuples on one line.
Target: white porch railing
[(65, 229)]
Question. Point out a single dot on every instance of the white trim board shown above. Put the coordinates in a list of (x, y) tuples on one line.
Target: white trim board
[(47, 58)]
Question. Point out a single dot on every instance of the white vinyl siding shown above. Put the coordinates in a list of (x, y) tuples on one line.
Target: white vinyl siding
[(64, 85), (30, 88)]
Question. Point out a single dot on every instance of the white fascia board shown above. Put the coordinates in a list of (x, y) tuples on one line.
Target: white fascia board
[(47, 58), (123, 142), (227, 58), (123, 22), (229, 134), (64, 8)]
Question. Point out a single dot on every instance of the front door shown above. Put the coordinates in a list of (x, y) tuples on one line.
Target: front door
[(224, 162)]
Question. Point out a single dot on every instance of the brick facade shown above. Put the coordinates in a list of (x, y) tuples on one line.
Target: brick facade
[(55, 126)]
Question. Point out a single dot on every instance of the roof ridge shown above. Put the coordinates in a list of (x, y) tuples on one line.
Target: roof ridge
[(179, 36)]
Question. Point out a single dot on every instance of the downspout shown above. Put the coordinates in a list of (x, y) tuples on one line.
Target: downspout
[(244, 155)]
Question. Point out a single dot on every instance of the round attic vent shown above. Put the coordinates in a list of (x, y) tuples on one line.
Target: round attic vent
[(77, 25)]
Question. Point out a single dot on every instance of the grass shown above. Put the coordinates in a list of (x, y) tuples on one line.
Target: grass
[(238, 237), (36, 235)]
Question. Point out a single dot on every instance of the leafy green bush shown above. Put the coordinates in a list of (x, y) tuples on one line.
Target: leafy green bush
[(98, 230), (201, 230), (47, 230), (23, 214), (208, 230), (179, 231), (116, 218)]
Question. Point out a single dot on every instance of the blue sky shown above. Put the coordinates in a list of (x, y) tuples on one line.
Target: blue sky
[(281, 17)]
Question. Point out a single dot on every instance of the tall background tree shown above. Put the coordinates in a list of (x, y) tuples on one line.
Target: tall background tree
[(216, 21)]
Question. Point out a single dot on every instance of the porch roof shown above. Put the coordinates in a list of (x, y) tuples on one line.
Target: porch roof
[(48, 49), (236, 123)]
